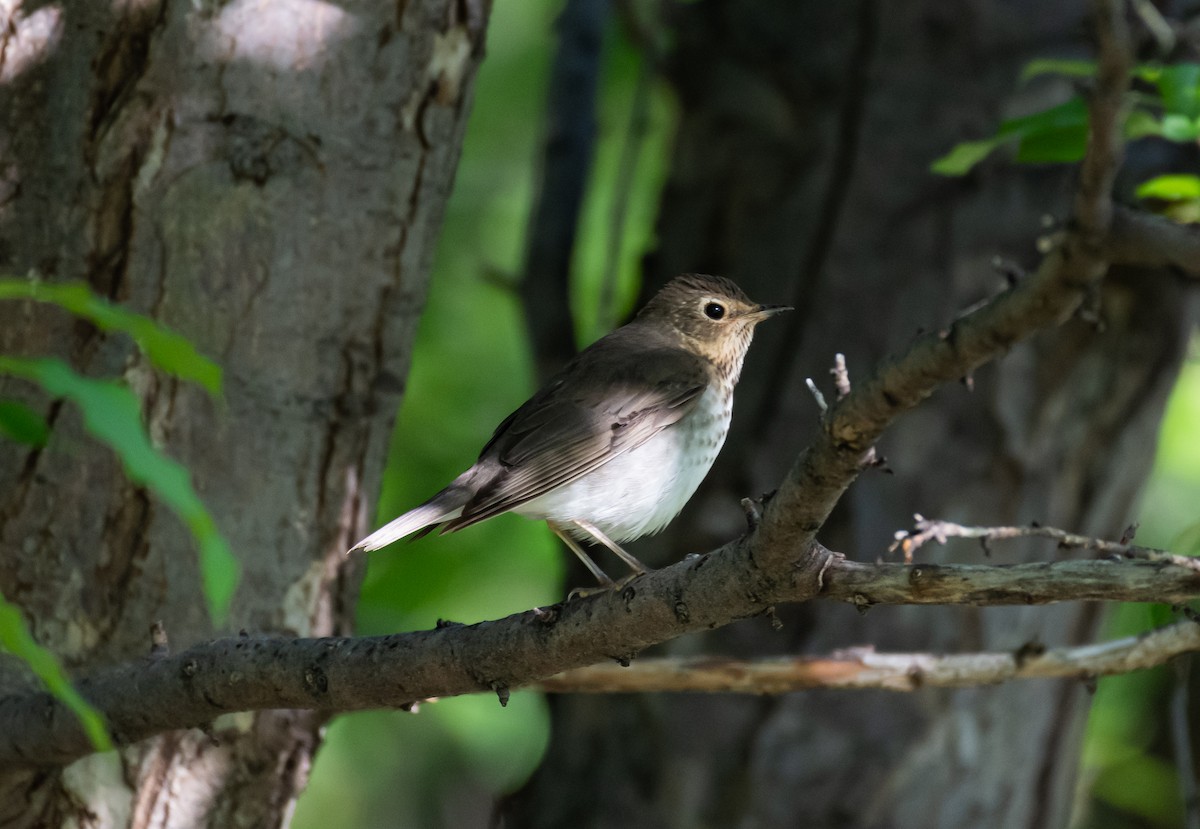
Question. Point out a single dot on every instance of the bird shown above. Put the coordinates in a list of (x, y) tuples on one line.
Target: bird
[(613, 446)]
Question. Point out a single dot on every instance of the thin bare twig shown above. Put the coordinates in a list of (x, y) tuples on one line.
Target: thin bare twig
[(865, 668), (927, 530), (1156, 24), (816, 393), (1140, 238), (1174, 580), (841, 376)]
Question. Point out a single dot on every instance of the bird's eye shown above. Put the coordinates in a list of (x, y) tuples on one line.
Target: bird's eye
[(714, 310)]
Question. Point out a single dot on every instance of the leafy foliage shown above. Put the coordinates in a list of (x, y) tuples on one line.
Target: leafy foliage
[(112, 414), (164, 348), (1167, 107), (20, 423), (1179, 193), (15, 638)]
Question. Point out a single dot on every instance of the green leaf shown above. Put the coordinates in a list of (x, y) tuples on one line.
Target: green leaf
[(1140, 123), (15, 638), (1148, 72), (164, 348), (964, 156), (1053, 66), (112, 414), (1174, 187), (1050, 135), (1180, 128), (1056, 145), (1072, 113), (20, 423), (1179, 85)]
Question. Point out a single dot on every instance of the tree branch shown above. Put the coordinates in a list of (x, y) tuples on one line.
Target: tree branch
[(934, 530), (1140, 238), (864, 668), (354, 673), (1042, 582)]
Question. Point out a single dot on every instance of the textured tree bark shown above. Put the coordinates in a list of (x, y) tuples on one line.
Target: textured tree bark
[(268, 179), (801, 170)]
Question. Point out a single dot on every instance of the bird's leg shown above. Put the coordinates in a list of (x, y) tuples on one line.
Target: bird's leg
[(593, 568), (594, 531)]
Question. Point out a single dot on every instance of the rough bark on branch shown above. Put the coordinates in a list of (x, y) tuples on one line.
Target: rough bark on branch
[(348, 673), (865, 668)]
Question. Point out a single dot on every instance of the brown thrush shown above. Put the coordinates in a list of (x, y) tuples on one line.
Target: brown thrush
[(613, 445)]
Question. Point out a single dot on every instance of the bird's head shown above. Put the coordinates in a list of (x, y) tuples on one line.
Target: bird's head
[(711, 314)]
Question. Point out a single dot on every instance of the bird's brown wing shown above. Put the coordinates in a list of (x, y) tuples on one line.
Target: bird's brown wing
[(584, 417)]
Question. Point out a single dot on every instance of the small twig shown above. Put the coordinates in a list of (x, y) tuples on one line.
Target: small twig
[(841, 377), (159, 646), (816, 393), (753, 513), (927, 530), (864, 668), (1106, 107), (1174, 581), (1010, 270), (1144, 239), (830, 558), (1157, 25)]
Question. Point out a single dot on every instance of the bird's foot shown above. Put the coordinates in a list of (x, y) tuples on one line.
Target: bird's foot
[(605, 586), (584, 592)]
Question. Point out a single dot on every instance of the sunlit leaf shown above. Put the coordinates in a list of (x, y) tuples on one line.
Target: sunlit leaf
[(15, 638), (1174, 187), (964, 156), (1054, 66), (1059, 134), (20, 423), (1148, 72), (111, 414), (1180, 128), (167, 350)]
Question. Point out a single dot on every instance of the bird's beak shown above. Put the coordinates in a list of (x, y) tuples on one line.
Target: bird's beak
[(764, 311)]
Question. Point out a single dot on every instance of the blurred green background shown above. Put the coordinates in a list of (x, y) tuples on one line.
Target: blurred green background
[(446, 764), (1128, 767)]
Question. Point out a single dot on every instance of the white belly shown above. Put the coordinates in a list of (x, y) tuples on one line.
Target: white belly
[(638, 493)]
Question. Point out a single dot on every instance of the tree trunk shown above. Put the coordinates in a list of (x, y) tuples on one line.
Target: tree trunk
[(268, 179), (801, 170)]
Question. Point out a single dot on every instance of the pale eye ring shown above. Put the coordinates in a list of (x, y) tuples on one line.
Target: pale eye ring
[(714, 310)]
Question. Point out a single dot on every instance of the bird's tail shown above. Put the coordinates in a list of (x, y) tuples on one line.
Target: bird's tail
[(445, 505)]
